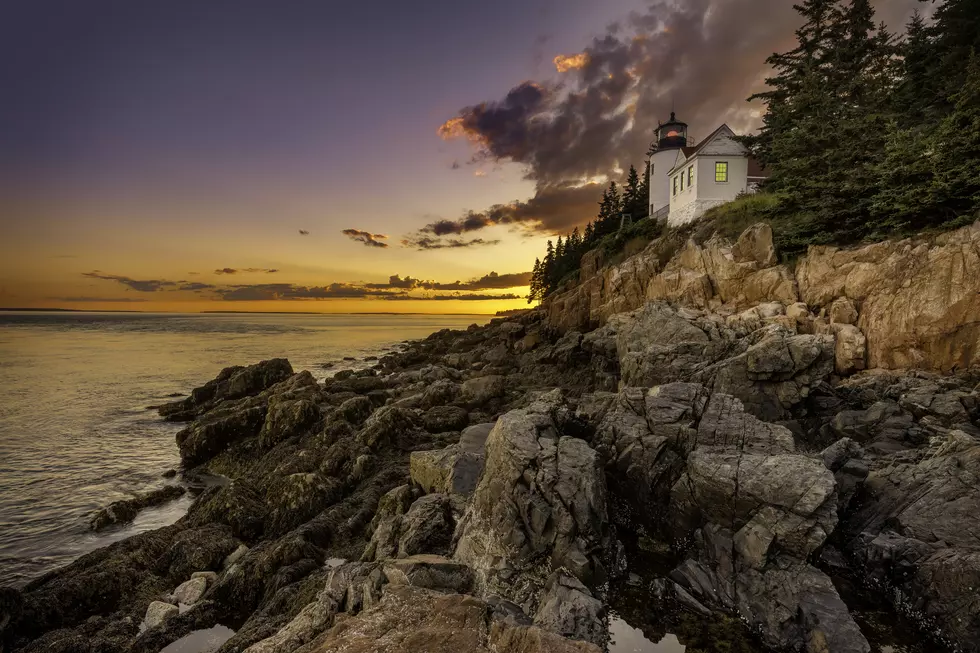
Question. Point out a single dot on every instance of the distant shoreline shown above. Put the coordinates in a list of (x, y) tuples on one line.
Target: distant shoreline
[(83, 310)]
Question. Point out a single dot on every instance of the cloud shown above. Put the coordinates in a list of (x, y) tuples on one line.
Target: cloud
[(703, 57), (99, 299), (366, 237), (480, 173), (304, 232), (195, 286), (553, 209), (463, 297), (251, 270), (564, 63), (491, 281), (286, 291), (397, 287), (422, 242), (139, 285)]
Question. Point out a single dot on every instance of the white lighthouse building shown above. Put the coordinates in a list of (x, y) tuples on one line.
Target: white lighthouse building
[(686, 181), (671, 137)]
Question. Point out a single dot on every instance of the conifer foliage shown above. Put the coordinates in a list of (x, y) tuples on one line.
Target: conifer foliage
[(867, 135)]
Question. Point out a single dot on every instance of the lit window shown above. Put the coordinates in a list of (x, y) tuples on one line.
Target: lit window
[(675, 185), (721, 171), (690, 176)]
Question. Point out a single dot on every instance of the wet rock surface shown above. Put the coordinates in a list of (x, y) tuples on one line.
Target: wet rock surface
[(487, 488)]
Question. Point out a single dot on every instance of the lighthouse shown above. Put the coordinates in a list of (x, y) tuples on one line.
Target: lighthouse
[(671, 136)]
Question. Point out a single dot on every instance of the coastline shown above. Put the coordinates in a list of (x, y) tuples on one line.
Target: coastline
[(705, 472)]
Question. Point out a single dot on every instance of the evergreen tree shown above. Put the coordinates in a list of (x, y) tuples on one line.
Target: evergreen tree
[(814, 41), (644, 194), (547, 269), (631, 195), (918, 96), (589, 234), (956, 32), (536, 282), (956, 190)]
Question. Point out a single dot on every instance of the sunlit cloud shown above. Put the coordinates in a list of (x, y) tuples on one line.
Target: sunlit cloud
[(564, 63)]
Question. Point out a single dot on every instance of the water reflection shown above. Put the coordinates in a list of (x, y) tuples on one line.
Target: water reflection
[(626, 639), (201, 641)]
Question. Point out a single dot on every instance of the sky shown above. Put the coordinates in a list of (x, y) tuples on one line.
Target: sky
[(330, 156)]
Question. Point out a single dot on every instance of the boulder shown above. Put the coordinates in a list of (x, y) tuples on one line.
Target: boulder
[(288, 418), (478, 391), (431, 572), (426, 527), (441, 419), (540, 505), (120, 512), (158, 612), (919, 305), (210, 435), (412, 618), (792, 605), (914, 533), (231, 383), (842, 311), (189, 592), (569, 609), (388, 426)]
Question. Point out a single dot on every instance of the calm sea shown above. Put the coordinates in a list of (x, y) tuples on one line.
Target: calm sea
[(75, 433)]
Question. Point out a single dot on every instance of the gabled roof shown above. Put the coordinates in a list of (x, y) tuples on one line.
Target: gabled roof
[(691, 152)]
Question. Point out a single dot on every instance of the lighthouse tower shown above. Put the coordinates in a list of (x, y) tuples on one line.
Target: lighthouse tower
[(671, 136)]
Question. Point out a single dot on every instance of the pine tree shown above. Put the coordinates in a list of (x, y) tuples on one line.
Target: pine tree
[(589, 234), (534, 292), (631, 195), (815, 39), (644, 194), (956, 32), (918, 95), (547, 269), (956, 189)]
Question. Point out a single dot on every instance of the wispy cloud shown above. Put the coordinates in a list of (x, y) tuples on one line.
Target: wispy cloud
[(86, 299), (423, 242), (366, 237), (249, 270), (139, 285)]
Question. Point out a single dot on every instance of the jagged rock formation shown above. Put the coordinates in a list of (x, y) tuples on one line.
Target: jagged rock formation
[(701, 394), (914, 301)]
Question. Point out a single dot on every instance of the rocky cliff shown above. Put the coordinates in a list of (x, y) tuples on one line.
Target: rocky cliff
[(915, 301), (492, 489)]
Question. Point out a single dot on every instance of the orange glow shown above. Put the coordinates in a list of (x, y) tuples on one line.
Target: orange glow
[(452, 128), (564, 63)]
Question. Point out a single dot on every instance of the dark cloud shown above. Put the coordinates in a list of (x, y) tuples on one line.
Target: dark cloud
[(195, 286), (703, 57), (423, 242), (553, 209), (397, 287), (459, 296), (285, 291), (236, 270), (304, 232), (126, 300), (140, 285), (492, 281), (366, 237)]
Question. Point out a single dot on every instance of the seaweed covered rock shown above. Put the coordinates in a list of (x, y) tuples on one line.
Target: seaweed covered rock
[(120, 512), (231, 383)]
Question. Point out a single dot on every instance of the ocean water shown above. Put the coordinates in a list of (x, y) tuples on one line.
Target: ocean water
[(75, 431)]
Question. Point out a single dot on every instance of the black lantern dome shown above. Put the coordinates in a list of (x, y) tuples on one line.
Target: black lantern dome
[(672, 134)]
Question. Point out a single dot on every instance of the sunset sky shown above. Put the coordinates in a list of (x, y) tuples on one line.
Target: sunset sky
[(188, 155)]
